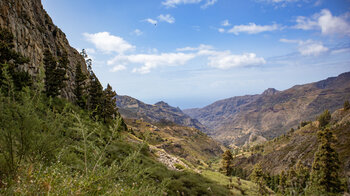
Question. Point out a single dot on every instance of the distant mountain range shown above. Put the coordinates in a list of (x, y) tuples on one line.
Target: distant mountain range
[(132, 108), (273, 112)]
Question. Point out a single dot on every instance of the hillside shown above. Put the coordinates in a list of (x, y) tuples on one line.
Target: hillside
[(184, 142), (273, 112), (285, 151), (134, 109)]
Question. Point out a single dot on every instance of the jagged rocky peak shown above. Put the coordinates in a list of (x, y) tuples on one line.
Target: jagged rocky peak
[(270, 91), (34, 32), (162, 103)]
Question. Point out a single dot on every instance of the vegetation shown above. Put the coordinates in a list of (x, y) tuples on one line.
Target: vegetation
[(11, 65), (346, 105), (227, 162), (80, 90), (258, 177), (50, 146), (55, 72), (325, 168), (324, 119)]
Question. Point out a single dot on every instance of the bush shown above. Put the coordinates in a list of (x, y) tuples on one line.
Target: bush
[(324, 119)]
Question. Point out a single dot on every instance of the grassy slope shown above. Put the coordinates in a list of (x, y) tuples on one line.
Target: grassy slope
[(69, 154)]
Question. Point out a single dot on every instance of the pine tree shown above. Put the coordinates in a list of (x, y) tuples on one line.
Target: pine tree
[(282, 182), (79, 91), (258, 177), (291, 181), (324, 173), (95, 100), (324, 119), (346, 105), (109, 108), (55, 72), (303, 175), (12, 62), (227, 160), (95, 89)]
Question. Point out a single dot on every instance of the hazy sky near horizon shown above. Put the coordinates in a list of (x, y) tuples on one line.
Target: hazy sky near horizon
[(190, 53)]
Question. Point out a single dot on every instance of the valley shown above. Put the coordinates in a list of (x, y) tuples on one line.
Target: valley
[(62, 132)]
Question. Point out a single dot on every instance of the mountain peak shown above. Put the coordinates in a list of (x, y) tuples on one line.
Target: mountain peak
[(270, 91), (162, 103)]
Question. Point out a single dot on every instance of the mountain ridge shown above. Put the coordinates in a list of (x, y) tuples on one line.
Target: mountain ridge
[(133, 108), (273, 112)]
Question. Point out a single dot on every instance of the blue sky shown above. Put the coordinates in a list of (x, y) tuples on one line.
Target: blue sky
[(191, 53)]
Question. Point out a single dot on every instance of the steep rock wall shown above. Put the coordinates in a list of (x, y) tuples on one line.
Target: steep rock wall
[(34, 32)]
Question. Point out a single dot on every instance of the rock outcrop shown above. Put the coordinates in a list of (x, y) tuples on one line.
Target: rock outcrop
[(34, 32)]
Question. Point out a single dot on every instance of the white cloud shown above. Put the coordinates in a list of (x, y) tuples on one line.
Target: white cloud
[(342, 50), (305, 23), (208, 3), (108, 43), (200, 47), (166, 18), (152, 61), (216, 59), (289, 41), (151, 21), (174, 3), (312, 48), (118, 68), (326, 22), (221, 30), (227, 60), (137, 32), (252, 28), (308, 47), (225, 23)]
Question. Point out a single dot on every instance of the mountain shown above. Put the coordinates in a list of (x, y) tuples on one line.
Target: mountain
[(134, 109), (273, 112), (34, 32), (300, 145)]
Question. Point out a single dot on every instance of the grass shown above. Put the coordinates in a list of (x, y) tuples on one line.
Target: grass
[(238, 186)]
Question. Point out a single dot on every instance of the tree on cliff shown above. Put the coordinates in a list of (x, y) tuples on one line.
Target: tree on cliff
[(79, 91), (11, 64), (109, 108), (95, 89), (55, 73)]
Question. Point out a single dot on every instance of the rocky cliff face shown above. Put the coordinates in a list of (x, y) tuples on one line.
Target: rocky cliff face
[(34, 32), (273, 112)]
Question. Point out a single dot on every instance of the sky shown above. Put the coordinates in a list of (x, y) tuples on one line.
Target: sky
[(190, 53)]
